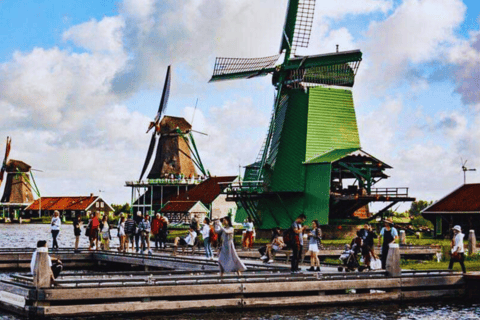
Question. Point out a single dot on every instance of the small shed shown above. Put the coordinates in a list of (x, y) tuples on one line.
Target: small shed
[(184, 211), (460, 207)]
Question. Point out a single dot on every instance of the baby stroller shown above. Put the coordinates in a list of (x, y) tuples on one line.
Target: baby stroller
[(349, 256)]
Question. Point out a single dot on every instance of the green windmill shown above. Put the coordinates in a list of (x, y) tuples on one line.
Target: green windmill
[(311, 161)]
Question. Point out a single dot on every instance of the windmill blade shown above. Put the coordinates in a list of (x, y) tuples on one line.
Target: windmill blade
[(163, 101), (199, 132), (298, 25), (243, 68), (151, 147), (165, 94), (5, 159)]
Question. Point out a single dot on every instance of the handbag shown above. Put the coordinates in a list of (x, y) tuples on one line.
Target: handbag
[(375, 264), (456, 256)]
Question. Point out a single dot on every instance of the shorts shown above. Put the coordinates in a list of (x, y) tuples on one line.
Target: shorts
[(313, 247), (183, 242), (276, 248)]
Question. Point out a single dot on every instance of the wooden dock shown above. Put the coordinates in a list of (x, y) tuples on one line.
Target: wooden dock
[(175, 284)]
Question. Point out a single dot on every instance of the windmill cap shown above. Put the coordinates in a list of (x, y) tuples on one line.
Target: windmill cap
[(458, 228)]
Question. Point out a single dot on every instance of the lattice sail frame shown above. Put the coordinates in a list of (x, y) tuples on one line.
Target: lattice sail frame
[(244, 67), (303, 24)]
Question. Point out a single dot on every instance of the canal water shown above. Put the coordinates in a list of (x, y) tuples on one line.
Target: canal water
[(27, 235)]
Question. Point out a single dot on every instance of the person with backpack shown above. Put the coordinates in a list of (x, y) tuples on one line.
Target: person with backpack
[(206, 229), (130, 226), (296, 241)]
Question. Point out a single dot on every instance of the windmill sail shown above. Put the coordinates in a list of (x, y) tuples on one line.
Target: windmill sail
[(298, 25), (243, 68), (5, 159), (156, 123)]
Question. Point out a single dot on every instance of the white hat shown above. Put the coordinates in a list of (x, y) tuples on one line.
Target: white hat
[(458, 228), (139, 213)]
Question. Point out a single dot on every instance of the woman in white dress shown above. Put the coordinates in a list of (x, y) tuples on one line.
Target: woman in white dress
[(228, 260), (314, 238)]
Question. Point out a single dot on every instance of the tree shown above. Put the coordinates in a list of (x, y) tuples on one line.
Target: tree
[(417, 207), (121, 208)]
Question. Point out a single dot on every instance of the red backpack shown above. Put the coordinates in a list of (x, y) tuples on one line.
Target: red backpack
[(213, 236)]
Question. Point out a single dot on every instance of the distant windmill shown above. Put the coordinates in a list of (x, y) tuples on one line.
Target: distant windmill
[(19, 183), (176, 152), (465, 169)]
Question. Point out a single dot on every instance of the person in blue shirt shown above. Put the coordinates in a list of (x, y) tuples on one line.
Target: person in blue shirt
[(389, 235)]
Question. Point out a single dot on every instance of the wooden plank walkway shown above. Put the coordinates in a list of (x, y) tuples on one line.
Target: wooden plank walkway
[(95, 294)]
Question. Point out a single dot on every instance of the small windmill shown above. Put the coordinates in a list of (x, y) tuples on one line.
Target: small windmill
[(465, 169), (172, 142), (19, 182), (311, 117)]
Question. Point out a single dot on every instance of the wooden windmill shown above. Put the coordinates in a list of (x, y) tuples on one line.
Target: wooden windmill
[(18, 188), (312, 132), (171, 143)]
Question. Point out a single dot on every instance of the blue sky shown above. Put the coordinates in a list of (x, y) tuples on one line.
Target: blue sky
[(80, 80)]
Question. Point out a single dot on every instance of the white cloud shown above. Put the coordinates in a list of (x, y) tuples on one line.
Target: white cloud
[(418, 31), (98, 36)]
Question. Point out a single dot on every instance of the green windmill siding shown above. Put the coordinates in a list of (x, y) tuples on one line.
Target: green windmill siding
[(276, 213), (317, 192), (331, 121), (288, 171)]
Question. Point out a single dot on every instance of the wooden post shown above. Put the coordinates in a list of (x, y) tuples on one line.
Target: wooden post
[(472, 243), (403, 237), (393, 261)]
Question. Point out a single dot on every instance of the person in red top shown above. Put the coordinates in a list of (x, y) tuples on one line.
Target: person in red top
[(157, 225), (93, 236)]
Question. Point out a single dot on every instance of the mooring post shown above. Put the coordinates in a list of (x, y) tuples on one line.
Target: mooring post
[(472, 243), (393, 261), (403, 237)]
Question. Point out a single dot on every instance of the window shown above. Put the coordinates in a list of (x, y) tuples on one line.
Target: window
[(97, 205), (101, 204)]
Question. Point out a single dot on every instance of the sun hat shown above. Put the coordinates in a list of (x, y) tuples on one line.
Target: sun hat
[(458, 228)]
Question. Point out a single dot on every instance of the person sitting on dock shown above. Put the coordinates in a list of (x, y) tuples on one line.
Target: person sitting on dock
[(275, 245), (189, 240), (56, 267), (458, 252)]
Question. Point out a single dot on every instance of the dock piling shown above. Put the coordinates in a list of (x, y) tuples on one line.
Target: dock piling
[(393, 261), (472, 243)]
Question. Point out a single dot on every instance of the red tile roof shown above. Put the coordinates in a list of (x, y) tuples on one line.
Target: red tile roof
[(63, 203), (462, 200), (207, 191), (178, 206)]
